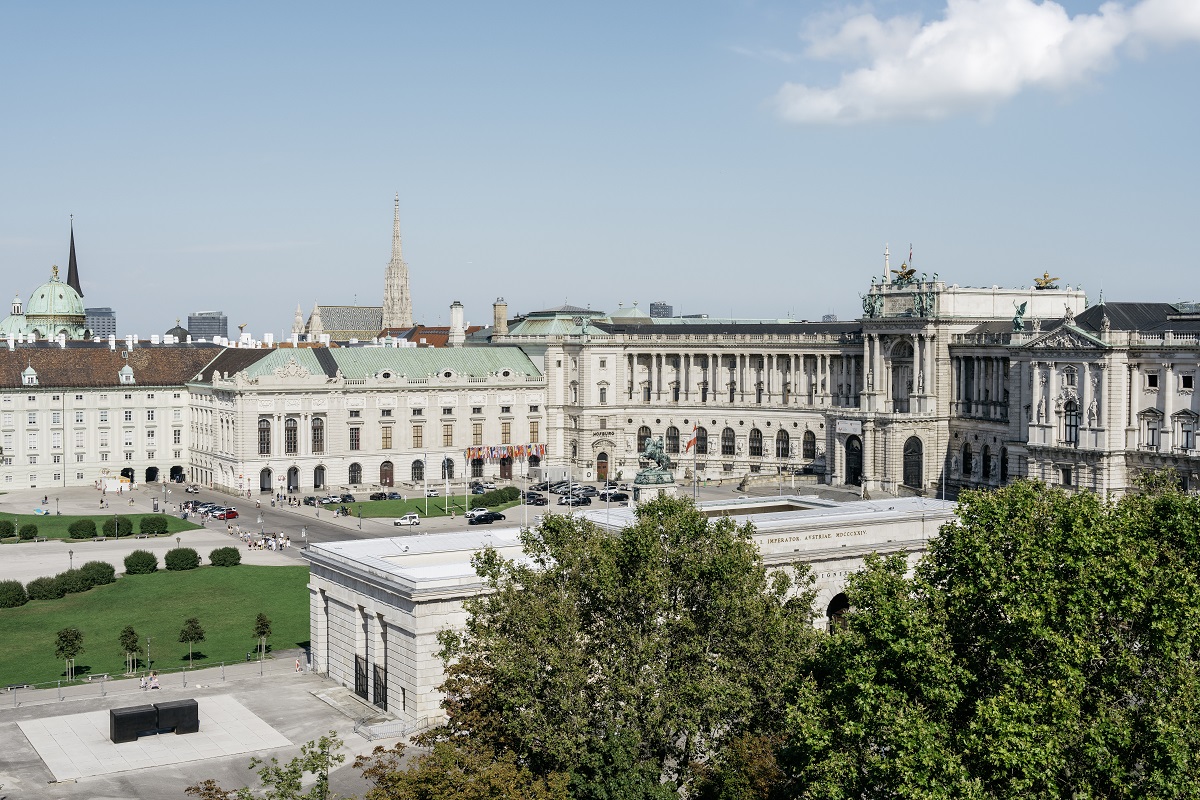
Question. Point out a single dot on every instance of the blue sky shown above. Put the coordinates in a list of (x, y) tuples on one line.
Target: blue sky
[(746, 158)]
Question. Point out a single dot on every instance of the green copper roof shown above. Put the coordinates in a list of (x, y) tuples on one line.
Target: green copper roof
[(413, 362)]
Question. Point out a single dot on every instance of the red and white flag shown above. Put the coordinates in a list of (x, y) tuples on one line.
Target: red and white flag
[(692, 441)]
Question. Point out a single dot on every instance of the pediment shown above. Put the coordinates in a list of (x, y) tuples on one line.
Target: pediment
[(1067, 337)]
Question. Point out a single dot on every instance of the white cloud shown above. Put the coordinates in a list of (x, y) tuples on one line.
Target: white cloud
[(980, 53)]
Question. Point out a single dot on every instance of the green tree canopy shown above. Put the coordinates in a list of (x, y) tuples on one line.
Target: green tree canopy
[(1046, 646), (191, 633), (624, 662)]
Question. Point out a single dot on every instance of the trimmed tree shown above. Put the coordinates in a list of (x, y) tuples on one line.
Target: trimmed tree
[(181, 558), (28, 532), (129, 641), (12, 594), (117, 526), (44, 589), (191, 634), (67, 645), (98, 573), (82, 529), (141, 562), (225, 557), (153, 525), (7, 528), (262, 632)]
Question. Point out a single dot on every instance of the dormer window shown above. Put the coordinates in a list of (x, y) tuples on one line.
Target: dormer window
[(29, 377), (385, 374), (126, 374)]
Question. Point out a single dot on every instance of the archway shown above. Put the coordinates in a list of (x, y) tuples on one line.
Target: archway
[(535, 461), (671, 442), (602, 466), (355, 473), (177, 474), (756, 440), (448, 469), (809, 447), (902, 375), (967, 460), (418, 471), (293, 479), (914, 458), (151, 474), (319, 478), (385, 474), (836, 612), (264, 481), (854, 461), (127, 473)]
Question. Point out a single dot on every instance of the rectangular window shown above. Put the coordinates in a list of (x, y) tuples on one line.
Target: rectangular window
[(476, 410), (104, 456), (103, 398), (78, 439), (57, 458), (7, 419), (603, 363), (1151, 380), (150, 436), (603, 395), (1186, 382), (477, 433), (604, 423), (56, 440), (78, 397), (354, 413), (385, 412), (505, 409), (355, 440), (129, 438), (505, 433), (78, 476), (56, 418), (32, 417), (31, 442), (129, 456), (128, 397), (128, 415), (418, 436), (8, 441), (447, 436), (177, 415), (79, 457), (149, 415), (533, 433), (417, 412), (177, 436), (533, 409), (291, 436), (104, 438), (176, 395), (150, 396), (104, 416), (79, 417), (385, 437)]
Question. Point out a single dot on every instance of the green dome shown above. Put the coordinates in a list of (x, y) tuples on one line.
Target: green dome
[(55, 299)]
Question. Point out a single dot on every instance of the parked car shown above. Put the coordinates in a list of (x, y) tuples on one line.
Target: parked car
[(475, 512), (333, 498), (541, 487), (489, 485), (570, 500), (618, 497), (536, 500), (192, 489), (310, 501), (408, 519), (346, 498), (431, 493), (226, 513), (478, 490), (394, 496), (486, 518), (378, 496), (587, 491), (609, 485)]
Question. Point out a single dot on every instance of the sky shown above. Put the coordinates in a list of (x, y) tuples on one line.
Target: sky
[(730, 157)]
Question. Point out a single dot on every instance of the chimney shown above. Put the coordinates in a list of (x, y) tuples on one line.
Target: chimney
[(499, 317), (458, 334)]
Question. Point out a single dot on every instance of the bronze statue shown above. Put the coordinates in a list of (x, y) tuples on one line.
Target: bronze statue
[(1045, 282), (654, 452)]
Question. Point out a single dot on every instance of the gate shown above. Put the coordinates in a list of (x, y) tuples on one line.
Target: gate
[(360, 676), (913, 458), (379, 693), (506, 469), (854, 461), (602, 467), (385, 474)]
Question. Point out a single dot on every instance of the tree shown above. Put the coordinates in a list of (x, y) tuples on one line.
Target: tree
[(191, 633), (1044, 647), (623, 662), (129, 641), (283, 782), (262, 632), (463, 773), (67, 645)]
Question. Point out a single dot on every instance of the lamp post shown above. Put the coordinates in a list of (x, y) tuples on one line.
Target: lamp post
[(56, 511), (304, 535), (177, 541), (360, 518), (71, 556), (148, 661)]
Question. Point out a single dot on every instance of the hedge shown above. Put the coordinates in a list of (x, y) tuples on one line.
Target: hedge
[(141, 562), (72, 581), (99, 573), (82, 529), (28, 531), (496, 497), (44, 589), (153, 525), (225, 557), (7, 528), (124, 526), (12, 594), (181, 558)]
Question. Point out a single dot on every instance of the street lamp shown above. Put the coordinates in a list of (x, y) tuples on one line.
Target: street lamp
[(71, 556), (360, 518), (177, 541), (56, 511), (304, 535)]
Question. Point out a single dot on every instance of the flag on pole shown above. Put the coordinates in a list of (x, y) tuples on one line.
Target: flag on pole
[(910, 254), (692, 441)]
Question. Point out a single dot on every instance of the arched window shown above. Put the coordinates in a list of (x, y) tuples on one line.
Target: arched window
[(318, 435), (291, 436), (755, 442), (701, 441), (809, 450), (727, 442), (986, 458), (1071, 422), (914, 452), (1070, 377), (643, 435), (264, 437), (672, 441), (418, 471), (319, 478), (783, 444), (448, 468), (836, 612), (356, 473), (966, 460)]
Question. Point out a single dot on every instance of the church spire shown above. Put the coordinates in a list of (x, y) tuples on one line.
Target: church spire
[(72, 264), (397, 304)]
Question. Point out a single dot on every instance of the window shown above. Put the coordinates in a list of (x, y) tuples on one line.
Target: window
[(447, 436), (318, 435), (986, 458), (264, 437), (604, 423), (104, 456), (646, 393), (79, 417), (505, 433), (671, 443), (417, 412), (104, 438), (967, 461), (1066, 476), (31, 417), (78, 439), (128, 415), (477, 433), (355, 440), (150, 437), (1185, 430), (355, 413), (385, 412), (1070, 376), (128, 439), (1151, 380), (533, 432), (31, 442), (385, 437), (56, 440), (505, 409), (1070, 423), (33, 459), (727, 442), (177, 436), (783, 444), (8, 418), (129, 456), (355, 472), (104, 416), (418, 436), (603, 363), (150, 454), (1187, 382), (78, 476), (755, 442), (149, 415), (79, 456), (476, 410), (128, 397), (603, 395), (176, 395), (56, 418), (447, 411), (448, 468), (56, 458), (291, 436), (418, 471), (701, 441), (150, 396), (78, 397)]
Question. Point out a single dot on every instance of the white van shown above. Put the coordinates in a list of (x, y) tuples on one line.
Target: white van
[(408, 519)]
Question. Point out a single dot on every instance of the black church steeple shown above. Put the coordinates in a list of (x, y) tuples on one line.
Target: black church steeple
[(72, 264)]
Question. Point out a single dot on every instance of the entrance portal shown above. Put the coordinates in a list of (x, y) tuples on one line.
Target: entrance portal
[(854, 461), (151, 474), (264, 481), (385, 474), (293, 479), (506, 468), (602, 466), (914, 453)]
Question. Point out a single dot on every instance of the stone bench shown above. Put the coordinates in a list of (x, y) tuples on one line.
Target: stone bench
[(126, 724)]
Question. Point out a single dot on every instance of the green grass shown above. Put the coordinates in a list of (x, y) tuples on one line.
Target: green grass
[(52, 526), (226, 600), (398, 508)]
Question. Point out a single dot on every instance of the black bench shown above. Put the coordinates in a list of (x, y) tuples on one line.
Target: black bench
[(126, 724), (182, 715)]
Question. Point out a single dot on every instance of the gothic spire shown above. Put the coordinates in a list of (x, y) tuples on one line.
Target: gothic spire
[(72, 264), (397, 304)]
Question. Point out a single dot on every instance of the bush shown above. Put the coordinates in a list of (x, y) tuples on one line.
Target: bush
[(28, 531), (153, 525), (44, 589), (12, 594), (123, 528), (7, 528), (141, 562), (181, 558), (73, 581), (495, 498), (98, 573), (225, 557), (82, 529)]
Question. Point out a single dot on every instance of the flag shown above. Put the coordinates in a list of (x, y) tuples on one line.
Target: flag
[(692, 441), (910, 254)]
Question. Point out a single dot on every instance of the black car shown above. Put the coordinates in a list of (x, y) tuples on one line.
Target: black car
[(541, 487), (486, 518), (310, 501), (537, 501), (619, 497), (379, 496), (587, 491), (572, 500), (347, 498), (530, 497), (478, 490)]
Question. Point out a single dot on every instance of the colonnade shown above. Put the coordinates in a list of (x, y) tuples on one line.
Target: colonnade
[(979, 386)]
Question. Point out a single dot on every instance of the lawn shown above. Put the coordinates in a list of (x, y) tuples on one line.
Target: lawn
[(398, 508), (226, 601), (53, 526)]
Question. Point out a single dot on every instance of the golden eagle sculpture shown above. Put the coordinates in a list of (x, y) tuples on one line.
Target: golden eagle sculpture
[(1045, 282), (905, 273)]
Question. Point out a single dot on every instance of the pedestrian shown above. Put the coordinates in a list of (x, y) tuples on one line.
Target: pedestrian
[(297, 665), (143, 684)]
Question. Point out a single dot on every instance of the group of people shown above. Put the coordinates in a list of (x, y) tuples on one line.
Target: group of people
[(270, 541), (151, 682)]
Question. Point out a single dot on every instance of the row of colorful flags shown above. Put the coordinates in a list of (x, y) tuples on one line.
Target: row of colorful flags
[(498, 451)]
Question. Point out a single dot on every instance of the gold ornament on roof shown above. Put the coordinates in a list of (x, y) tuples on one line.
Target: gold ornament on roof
[(905, 273), (1045, 282), (54, 271)]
